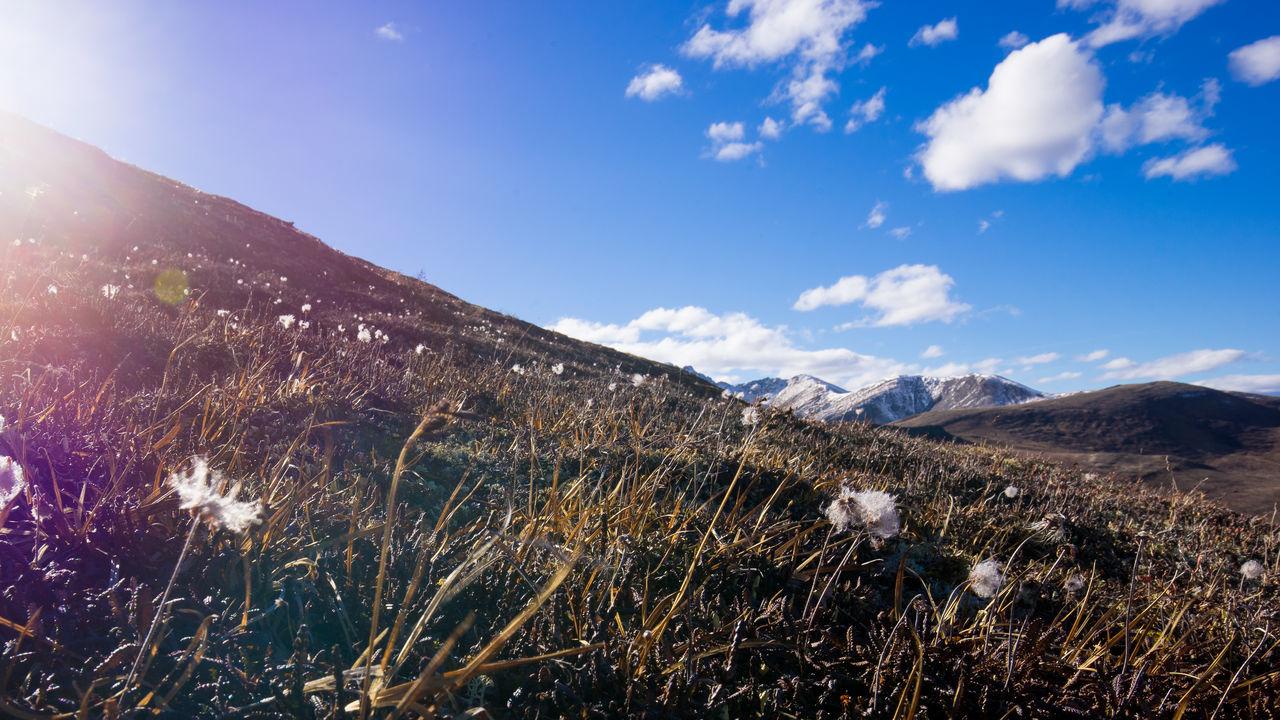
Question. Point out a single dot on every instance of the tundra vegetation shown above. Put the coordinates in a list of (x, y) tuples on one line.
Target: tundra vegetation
[(214, 512)]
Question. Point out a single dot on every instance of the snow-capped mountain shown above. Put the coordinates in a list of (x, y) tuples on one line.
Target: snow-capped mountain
[(885, 401)]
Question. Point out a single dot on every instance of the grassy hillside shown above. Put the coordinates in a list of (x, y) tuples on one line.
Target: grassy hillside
[(538, 528)]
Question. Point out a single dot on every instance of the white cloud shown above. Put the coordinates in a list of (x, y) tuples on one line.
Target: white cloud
[(1064, 375), (983, 226), (805, 35), (770, 129), (1173, 366), (1125, 19), (1013, 40), (1157, 118), (866, 111), (905, 295), (879, 213), (726, 142), (1036, 118), (1258, 62), (657, 81), (932, 351), (1040, 359), (1202, 161), (951, 369), (931, 35), (867, 52), (725, 345), (1094, 356), (390, 32), (901, 233), (1268, 384), (723, 132)]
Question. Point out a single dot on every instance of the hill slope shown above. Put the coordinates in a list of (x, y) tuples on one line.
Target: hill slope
[(441, 533), (1226, 443)]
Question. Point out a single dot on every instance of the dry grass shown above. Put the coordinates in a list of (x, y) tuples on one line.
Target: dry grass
[(444, 534)]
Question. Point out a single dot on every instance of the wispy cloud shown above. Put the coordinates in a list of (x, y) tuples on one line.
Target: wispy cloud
[(1204, 161), (390, 32), (1171, 367), (770, 129), (1040, 359), (866, 111), (807, 36), (905, 295), (726, 345), (1094, 356), (1126, 19), (1013, 40), (1159, 117), (901, 233), (933, 351), (1267, 384), (655, 82), (939, 32), (879, 213), (1257, 63), (1064, 375)]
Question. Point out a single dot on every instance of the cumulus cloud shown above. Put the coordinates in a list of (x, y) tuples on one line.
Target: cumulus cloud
[(1064, 375), (654, 83), (879, 213), (1035, 119), (1171, 367), (728, 344), (770, 129), (905, 295), (867, 52), (1094, 356), (932, 351), (727, 142), (866, 111), (940, 32), (1013, 40), (807, 36), (1266, 384), (390, 32), (1257, 63), (1190, 164), (1158, 118), (1126, 19)]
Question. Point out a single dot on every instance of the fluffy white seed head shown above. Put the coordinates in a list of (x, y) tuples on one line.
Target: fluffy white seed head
[(1011, 491), (558, 368), (12, 481), (286, 321), (871, 509), (1074, 584), (750, 416), (198, 491), (985, 579), (1251, 570)]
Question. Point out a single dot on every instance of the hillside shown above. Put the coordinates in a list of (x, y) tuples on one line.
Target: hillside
[(1226, 444), (222, 497)]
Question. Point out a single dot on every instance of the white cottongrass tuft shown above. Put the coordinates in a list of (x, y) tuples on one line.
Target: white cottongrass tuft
[(1074, 584), (558, 368), (419, 349), (613, 386), (12, 481), (985, 579), (363, 334), (750, 416), (53, 289), (306, 307), (875, 510), (110, 291), (1251, 570), (517, 369), (286, 321), (638, 379), (1011, 491), (198, 490)]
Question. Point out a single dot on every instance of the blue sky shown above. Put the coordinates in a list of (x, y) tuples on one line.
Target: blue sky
[(1072, 194)]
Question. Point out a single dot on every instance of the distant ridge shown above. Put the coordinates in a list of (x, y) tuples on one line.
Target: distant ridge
[(1228, 444), (886, 401)]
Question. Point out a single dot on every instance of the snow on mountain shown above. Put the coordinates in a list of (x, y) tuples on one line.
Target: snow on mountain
[(885, 401)]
